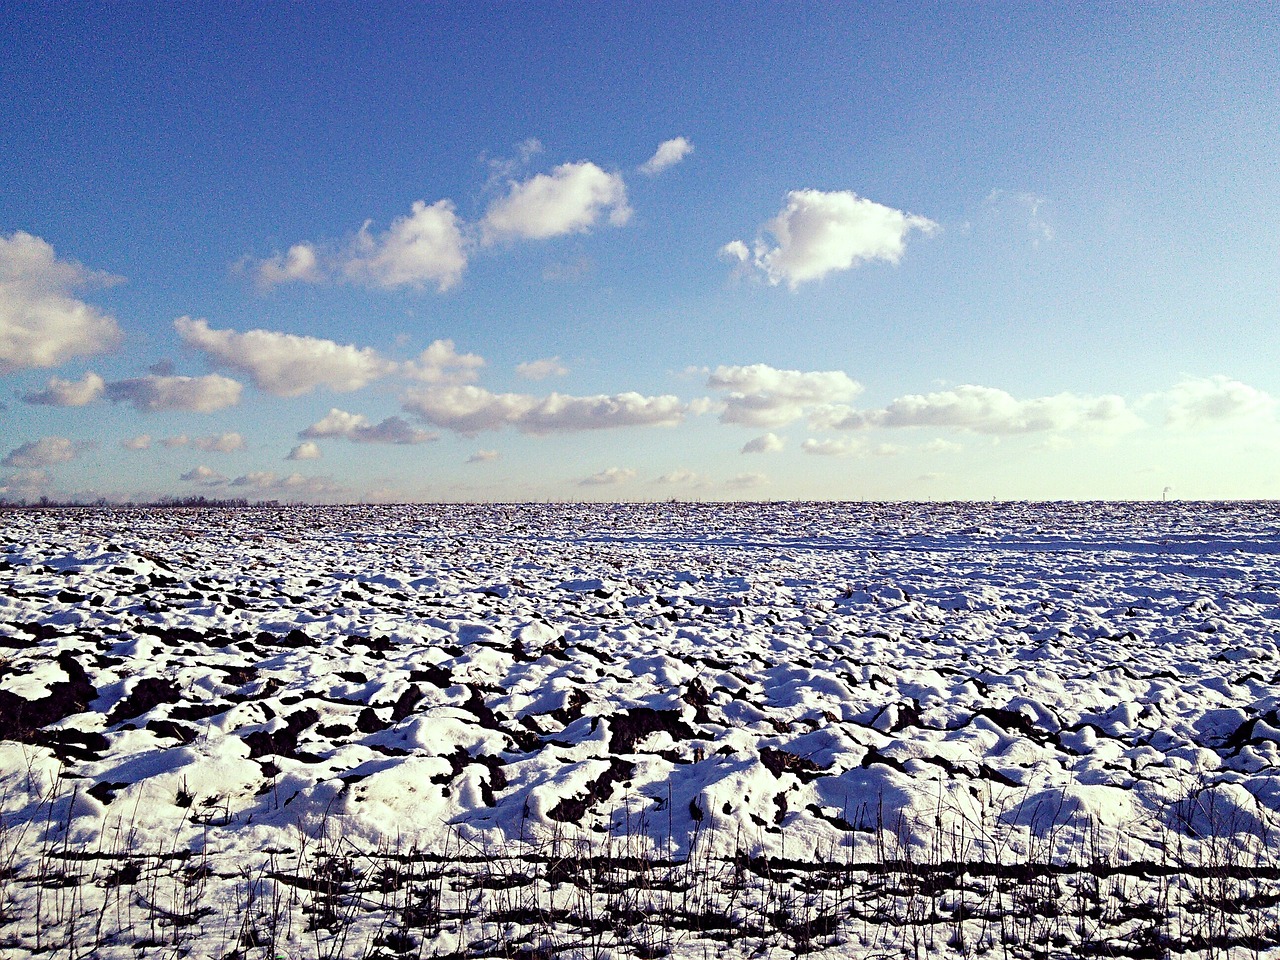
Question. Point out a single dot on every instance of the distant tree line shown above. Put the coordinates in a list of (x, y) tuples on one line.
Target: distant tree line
[(168, 501)]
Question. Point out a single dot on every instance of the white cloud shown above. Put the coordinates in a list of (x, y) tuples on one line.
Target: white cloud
[(307, 450), (848, 447), (357, 428), (769, 443), (427, 246), (683, 478), (172, 443), (669, 153), (470, 409), (199, 394), (762, 396), (818, 233), (992, 411), (140, 442), (286, 364), (611, 476), (260, 479), (747, 481), (441, 363), (26, 483), (1206, 401), (205, 476), (222, 443), (1026, 207), (68, 393), (41, 323), (300, 264), (293, 486), (843, 447), (542, 369), (502, 169), (483, 456), (45, 452), (570, 199), (735, 251)]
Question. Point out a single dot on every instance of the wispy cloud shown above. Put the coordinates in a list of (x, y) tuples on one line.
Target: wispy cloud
[(669, 153), (609, 477)]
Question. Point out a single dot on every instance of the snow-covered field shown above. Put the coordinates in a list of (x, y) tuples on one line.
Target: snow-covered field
[(641, 730)]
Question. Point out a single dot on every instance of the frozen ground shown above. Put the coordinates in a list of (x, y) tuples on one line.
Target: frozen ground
[(639, 730)]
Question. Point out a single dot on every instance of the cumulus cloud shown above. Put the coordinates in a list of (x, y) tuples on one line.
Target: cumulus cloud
[(427, 246), (222, 443), (483, 456), (205, 476), (285, 364), (991, 411), (541, 369), (41, 323), (357, 428), (769, 443), (172, 443), (140, 442), (441, 363), (1206, 401), (762, 396), (300, 264), (68, 393), (669, 153), (819, 232), (611, 476), (470, 409), (198, 394), (570, 199), (735, 251), (307, 450), (45, 452)]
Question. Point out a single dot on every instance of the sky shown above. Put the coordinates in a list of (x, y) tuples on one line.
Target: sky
[(334, 252)]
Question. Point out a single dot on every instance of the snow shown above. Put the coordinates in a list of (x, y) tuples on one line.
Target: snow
[(715, 680)]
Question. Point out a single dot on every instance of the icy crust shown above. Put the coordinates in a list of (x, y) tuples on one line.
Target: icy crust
[(796, 681)]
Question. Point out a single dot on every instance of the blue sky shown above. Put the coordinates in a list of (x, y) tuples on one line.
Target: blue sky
[(606, 251)]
